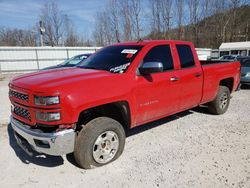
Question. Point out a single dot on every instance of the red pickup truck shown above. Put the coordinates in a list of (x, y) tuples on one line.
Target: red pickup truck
[(87, 109)]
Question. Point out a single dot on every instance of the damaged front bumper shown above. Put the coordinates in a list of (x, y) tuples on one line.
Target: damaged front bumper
[(58, 143)]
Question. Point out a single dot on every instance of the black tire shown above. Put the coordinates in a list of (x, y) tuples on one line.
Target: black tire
[(87, 137), (223, 96)]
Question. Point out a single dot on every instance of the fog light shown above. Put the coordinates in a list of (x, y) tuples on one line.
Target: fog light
[(48, 116), (42, 143)]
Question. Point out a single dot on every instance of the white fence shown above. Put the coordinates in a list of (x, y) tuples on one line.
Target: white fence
[(16, 59), (19, 59)]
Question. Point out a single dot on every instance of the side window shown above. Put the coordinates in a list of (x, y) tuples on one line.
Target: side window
[(162, 54), (185, 55)]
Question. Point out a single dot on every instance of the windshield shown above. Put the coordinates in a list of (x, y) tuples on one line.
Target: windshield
[(115, 59), (75, 60), (245, 63)]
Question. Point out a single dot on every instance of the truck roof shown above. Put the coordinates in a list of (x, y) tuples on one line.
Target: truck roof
[(146, 42)]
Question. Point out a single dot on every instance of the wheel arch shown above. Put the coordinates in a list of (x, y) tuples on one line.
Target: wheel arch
[(120, 111), (227, 82)]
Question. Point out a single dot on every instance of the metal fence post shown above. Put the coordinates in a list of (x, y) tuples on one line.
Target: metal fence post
[(1, 75), (37, 61), (0, 69), (67, 50)]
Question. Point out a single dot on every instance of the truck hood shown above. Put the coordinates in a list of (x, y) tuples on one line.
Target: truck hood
[(55, 78)]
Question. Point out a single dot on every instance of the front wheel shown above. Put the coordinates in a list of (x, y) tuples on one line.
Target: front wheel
[(220, 104), (100, 142)]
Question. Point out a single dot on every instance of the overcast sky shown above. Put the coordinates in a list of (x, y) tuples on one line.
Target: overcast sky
[(24, 13)]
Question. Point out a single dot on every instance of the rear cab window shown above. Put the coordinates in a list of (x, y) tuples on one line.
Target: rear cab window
[(185, 55)]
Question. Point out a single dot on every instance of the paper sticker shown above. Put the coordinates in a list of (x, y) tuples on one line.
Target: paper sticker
[(129, 51), (120, 68)]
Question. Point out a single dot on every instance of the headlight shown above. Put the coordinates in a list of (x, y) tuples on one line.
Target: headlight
[(248, 74), (48, 116), (39, 100)]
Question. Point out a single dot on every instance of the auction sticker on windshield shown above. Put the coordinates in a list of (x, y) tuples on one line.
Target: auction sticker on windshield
[(129, 51)]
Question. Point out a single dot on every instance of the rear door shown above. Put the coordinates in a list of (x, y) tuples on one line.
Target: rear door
[(190, 77), (155, 94)]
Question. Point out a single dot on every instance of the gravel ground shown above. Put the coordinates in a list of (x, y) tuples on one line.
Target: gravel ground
[(4, 103), (190, 149), (4, 100)]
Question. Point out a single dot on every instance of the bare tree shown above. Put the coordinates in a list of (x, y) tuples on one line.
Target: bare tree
[(179, 17), (98, 33), (53, 21), (161, 16), (114, 18), (205, 22), (71, 37), (121, 19), (103, 32), (194, 18), (234, 5), (206, 9), (125, 19), (99, 30), (130, 19), (166, 7), (220, 21), (135, 6), (7, 38), (17, 37), (107, 24), (156, 19)]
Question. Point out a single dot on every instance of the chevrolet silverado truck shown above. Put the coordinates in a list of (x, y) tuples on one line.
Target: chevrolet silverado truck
[(87, 110)]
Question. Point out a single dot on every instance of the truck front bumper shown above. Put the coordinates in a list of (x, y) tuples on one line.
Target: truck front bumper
[(58, 143)]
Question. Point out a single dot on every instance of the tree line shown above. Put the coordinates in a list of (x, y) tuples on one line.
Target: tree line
[(59, 30), (207, 23)]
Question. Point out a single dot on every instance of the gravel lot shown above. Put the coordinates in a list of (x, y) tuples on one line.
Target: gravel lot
[(4, 100), (190, 149), (4, 103)]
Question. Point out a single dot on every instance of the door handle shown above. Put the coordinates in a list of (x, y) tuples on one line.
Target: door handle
[(173, 79), (197, 74)]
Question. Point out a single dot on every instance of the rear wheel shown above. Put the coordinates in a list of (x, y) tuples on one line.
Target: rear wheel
[(220, 104), (100, 142)]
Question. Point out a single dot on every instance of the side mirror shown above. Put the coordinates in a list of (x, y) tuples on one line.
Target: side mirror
[(151, 67)]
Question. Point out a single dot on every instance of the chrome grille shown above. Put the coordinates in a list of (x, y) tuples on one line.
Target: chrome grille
[(18, 95), (24, 113)]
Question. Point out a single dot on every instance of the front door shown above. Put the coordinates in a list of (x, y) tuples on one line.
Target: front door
[(157, 94)]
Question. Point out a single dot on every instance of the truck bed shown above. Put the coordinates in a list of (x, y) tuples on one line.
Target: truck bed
[(215, 71), (209, 62)]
